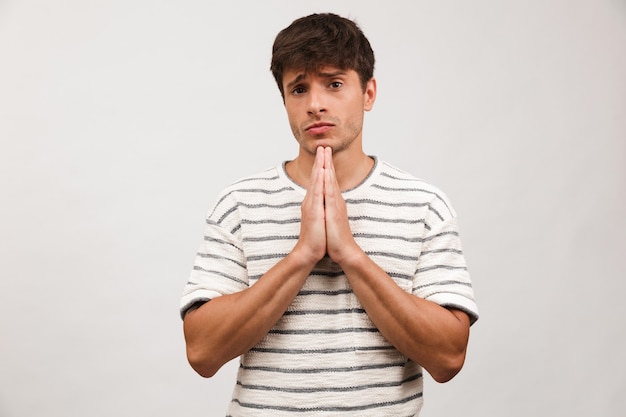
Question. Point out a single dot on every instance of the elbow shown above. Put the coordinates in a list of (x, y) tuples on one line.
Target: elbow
[(201, 363), (448, 368), (200, 355), (445, 375), (452, 357)]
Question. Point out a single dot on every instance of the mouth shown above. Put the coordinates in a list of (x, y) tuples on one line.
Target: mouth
[(319, 128)]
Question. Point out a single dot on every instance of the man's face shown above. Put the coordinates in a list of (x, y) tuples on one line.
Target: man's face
[(325, 108)]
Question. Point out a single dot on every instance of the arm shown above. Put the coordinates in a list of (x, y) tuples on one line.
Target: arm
[(232, 324), (429, 334)]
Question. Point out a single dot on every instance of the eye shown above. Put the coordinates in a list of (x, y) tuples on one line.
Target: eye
[(335, 84), (297, 91)]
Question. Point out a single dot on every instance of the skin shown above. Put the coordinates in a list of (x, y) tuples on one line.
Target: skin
[(325, 112), (336, 98)]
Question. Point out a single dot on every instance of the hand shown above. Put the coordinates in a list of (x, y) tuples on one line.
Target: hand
[(312, 241), (325, 228), (340, 243)]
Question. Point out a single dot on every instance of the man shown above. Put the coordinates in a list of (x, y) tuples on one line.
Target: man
[(334, 276)]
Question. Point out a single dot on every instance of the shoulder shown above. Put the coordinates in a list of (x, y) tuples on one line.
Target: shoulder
[(248, 190), (397, 180), (267, 181), (395, 175), (267, 178)]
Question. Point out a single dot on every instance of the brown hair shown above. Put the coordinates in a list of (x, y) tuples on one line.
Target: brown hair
[(318, 40)]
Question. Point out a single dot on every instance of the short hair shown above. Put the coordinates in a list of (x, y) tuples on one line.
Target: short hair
[(318, 40)]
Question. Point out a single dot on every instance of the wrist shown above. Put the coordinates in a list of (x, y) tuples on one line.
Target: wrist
[(304, 258), (349, 256)]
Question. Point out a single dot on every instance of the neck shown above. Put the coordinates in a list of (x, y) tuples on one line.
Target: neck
[(351, 169)]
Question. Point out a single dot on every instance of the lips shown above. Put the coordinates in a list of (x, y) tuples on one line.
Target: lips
[(319, 128)]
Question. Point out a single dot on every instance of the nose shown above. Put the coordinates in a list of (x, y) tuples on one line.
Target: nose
[(315, 103)]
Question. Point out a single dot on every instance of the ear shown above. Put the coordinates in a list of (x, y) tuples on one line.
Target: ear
[(369, 96)]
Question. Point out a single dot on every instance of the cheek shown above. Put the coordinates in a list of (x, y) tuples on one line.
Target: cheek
[(355, 121), (295, 130), (294, 124)]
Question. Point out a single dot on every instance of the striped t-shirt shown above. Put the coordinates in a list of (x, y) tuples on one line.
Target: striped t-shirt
[(324, 357)]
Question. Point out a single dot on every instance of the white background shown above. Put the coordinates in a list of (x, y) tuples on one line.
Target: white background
[(121, 120)]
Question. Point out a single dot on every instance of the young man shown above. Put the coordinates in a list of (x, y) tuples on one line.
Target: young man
[(335, 276)]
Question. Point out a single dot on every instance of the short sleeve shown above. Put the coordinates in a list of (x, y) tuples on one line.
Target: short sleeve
[(442, 275), (219, 266)]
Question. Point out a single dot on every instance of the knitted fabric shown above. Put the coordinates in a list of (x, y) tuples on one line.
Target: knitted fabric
[(324, 357)]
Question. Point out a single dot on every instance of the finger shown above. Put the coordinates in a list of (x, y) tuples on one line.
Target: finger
[(330, 178), (312, 230), (316, 187), (320, 155), (318, 163), (328, 158), (318, 166)]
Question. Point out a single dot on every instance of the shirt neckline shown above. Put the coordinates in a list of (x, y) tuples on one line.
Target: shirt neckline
[(282, 172)]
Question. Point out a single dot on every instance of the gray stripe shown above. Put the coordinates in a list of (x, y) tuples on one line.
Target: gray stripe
[(327, 274), (270, 238), (440, 283), (266, 256), (381, 187), (250, 190), (221, 241), (438, 235), (386, 174), (318, 274), (430, 268), (324, 312), (212, 256), (221, 274), (329, 409), (390, 237), (231, 210), (323, 292), (457, 251), (338, 274), (351, 388), (264, 191), (271, 221), (213, 222), (383, 220), (345, 369), (273, 206), (326, 331), (449, 292), (321, 351), (393, 255), (388, 204), (400, 276), (275, 177)]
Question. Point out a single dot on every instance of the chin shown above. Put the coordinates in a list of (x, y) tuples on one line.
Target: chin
[(325, 145), (325, 142)]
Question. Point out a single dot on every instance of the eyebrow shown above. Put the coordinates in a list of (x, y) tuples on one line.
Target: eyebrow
[(331, 74), (296, 80), (301, 76)]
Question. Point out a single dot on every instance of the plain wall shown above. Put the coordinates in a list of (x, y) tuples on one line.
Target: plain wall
[(121, 120)]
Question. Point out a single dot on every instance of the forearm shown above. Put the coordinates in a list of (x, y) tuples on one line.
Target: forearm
[(230, 325), (429, 334)]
